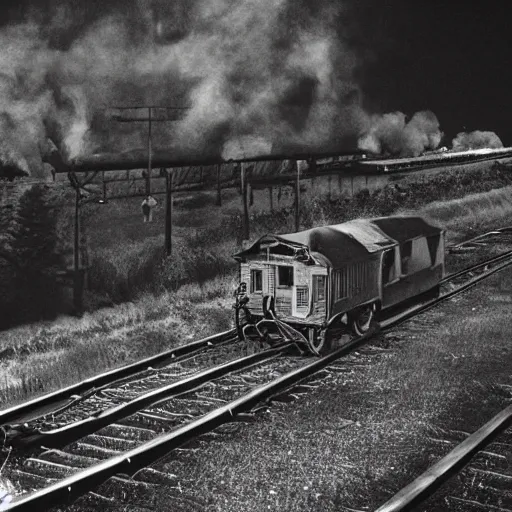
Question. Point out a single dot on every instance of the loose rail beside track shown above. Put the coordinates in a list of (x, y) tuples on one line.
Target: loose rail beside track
[(428, 482), (64, 398), (67, 434)]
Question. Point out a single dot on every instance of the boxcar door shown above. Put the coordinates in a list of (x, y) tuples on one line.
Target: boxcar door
[(284, 282), (270, 279)]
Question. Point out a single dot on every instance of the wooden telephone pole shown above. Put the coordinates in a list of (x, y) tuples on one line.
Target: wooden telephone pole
[(168, 212), (150, 119), (297, 196), (243, 180), (79, 269)]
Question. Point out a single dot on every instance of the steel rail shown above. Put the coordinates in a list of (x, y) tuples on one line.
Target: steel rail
[(62, 399), (149, 452), (490, 261), (423, 486), (483, 235), (66, 397), (130, 462), (74, 431)]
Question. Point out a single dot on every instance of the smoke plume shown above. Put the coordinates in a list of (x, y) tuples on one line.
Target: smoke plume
[(476, 140), (390, 134), (249, 74), (273, 71)]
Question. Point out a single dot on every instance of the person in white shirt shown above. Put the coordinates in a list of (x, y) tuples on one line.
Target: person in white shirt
[(147, 208)]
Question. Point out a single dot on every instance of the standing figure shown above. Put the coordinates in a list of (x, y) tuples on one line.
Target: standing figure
[(147, 208)]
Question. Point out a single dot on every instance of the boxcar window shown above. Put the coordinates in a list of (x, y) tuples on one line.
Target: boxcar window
[(405, 255), (433, 244), (388, 266), (318, 288), (256, 281), (285, 276)]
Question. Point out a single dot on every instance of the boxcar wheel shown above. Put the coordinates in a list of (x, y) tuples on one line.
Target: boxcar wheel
[(361, 320)]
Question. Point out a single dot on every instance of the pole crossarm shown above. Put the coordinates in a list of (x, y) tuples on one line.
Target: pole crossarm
[(156, 113)]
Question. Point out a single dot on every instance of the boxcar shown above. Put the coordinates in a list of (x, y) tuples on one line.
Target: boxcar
[(330, 280)]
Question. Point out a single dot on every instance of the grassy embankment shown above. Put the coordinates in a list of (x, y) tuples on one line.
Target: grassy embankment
[(42, 357)]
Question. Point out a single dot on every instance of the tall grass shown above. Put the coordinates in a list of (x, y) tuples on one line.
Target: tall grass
[(474, 212), (45, 356)]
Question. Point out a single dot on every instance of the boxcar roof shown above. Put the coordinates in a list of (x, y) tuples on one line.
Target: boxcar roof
[(405, 228), (352, 240)]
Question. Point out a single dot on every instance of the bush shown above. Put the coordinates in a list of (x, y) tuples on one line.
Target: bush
[(123, 272)]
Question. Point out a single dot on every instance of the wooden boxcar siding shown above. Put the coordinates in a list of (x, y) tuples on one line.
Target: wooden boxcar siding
[(302, 289), (291, 303), (245, 274), (356, 283), (255, 299)]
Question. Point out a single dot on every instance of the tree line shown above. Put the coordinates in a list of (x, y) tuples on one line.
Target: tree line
[(31, 256)]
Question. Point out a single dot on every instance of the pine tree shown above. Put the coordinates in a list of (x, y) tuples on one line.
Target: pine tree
[(34, 246)]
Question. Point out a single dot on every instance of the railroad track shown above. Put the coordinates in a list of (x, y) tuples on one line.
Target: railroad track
[(482, 463), (125, 438), (59, 401)]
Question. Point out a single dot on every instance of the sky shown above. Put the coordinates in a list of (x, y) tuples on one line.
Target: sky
[(450, 57), (403, 76)]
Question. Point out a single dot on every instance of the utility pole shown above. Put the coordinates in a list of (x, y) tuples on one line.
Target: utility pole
[(78, 265), (148, 180), (168, 212), (150, 119), (244, 201), (77, 271), (297, 196), (219, 189)]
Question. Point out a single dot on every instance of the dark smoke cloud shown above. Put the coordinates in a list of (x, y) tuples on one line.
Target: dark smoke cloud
[(270, 71), (476, 140), (390, 134), (258, 75)]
